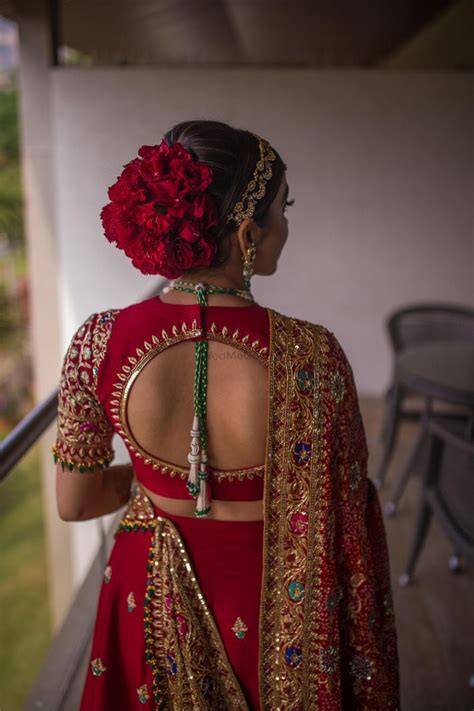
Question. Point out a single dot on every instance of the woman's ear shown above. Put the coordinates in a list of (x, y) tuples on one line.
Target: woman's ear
[(248, 233)]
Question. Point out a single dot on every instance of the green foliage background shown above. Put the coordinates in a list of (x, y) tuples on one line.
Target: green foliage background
[(11, 218), (25, 620), (25, 627)]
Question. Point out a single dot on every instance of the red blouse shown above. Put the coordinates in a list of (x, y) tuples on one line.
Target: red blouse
[(105, 356)]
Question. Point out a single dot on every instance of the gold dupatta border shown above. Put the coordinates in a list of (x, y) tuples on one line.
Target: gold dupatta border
[(327, 638), (297, 459), (183, 646)]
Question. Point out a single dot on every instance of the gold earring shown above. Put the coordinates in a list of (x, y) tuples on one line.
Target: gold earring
[(248, 260)]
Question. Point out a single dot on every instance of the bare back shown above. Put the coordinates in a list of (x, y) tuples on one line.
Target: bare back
[(159, 410)]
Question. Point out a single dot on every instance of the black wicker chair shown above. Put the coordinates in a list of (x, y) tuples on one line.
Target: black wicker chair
[(447, 492), (410, 326)]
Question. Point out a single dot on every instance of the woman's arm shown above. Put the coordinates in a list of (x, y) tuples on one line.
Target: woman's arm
[(84, 495), (86, 485)]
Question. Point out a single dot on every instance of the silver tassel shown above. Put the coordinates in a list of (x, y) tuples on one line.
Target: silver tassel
[(194, 458), (202, 506)]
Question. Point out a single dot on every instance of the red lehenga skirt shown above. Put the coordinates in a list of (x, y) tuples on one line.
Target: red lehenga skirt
[(178, 614)]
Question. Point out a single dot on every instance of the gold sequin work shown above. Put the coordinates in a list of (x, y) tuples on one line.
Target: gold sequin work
[(98, 667), (131, 604), (183, 644), (143, 694), (239, 628), (84, 433)]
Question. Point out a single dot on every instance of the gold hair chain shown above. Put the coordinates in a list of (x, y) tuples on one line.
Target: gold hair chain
[(256, 188)]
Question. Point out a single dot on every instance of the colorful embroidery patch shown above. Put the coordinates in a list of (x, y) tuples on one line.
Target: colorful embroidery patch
[(106, 317), (305, 380), (171, 666), (361, 667), (329, 660), (98, 667), (239, 628), (131, 604), (299, 523), (143, 694), (296, 590), (333, 598), (107, 574), (337, 386), (182, 625), (293, 656), (302, 453)]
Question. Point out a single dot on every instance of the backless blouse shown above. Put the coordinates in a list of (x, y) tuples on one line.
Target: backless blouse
[(104, 357)]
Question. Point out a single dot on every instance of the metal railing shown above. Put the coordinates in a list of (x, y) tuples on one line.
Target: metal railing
[(20, 440)]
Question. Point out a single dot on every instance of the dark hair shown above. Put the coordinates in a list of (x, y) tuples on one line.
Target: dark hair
[(232, 153)]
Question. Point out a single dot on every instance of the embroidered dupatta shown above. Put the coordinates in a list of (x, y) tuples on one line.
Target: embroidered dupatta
[(327, 630)]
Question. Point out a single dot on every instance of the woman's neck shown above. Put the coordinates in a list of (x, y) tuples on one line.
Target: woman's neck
[(176, 296)]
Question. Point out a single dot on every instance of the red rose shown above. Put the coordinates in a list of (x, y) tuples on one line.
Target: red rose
[(205, 252), (159, 213), (190, 231), (181, 256)]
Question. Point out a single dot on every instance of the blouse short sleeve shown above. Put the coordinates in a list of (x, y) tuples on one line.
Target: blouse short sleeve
[(84, 433)]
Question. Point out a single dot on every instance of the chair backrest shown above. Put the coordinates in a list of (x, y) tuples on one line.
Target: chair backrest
[(422, 323)]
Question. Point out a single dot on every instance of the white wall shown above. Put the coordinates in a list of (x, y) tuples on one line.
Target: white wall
[(380, 165)]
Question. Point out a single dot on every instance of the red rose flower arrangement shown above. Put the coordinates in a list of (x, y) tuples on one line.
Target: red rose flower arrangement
[(159, 212)]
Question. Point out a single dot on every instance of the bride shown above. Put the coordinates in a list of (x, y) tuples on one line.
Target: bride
[(250, 568)]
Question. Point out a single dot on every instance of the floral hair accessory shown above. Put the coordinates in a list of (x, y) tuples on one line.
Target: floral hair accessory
[(159, 212)]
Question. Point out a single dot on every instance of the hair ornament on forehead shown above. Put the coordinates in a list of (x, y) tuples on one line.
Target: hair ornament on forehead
[(256, 188), (159, 213)]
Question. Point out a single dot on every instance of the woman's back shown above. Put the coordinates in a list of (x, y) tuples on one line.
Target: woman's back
[(154, 404)]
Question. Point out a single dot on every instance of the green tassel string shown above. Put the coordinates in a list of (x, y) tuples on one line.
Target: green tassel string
[(200, 386)]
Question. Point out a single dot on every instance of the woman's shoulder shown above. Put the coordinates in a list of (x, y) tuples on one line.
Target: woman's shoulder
[(129, 314), (324, 336), (302, 323), (90, 329)]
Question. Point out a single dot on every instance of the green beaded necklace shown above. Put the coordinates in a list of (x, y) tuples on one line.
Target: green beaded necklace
[(198, 473)]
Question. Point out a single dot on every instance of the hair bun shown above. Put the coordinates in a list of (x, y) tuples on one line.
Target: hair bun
[(159, 212)]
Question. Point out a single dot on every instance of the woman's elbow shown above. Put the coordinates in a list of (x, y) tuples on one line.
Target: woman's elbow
[(75, 494), (70, 512)]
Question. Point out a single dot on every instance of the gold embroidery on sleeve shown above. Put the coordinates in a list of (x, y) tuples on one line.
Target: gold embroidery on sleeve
[(84, 433)]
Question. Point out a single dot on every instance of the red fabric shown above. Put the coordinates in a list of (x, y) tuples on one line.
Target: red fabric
[(227, 561), (160, 482), (332, 640), (131, 329), (226, 555)]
